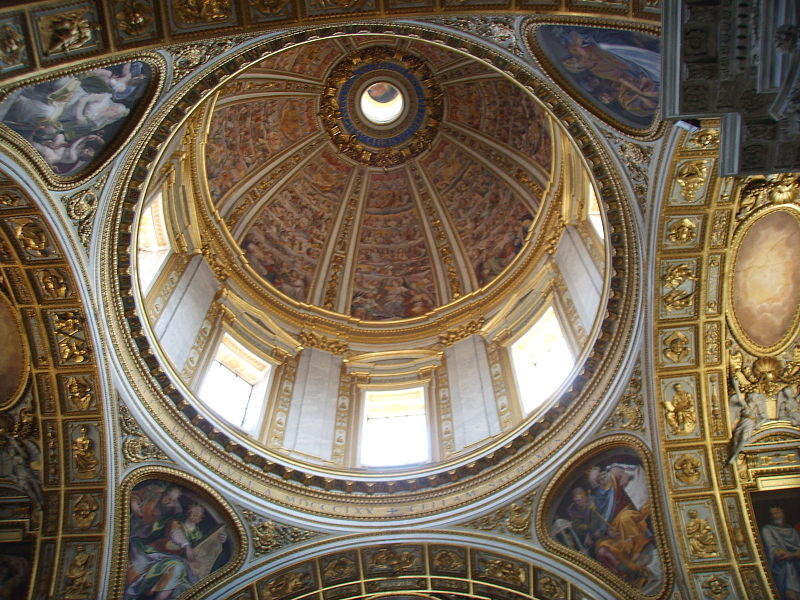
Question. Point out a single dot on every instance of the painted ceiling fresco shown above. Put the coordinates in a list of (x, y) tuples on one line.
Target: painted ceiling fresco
[(269, 115)]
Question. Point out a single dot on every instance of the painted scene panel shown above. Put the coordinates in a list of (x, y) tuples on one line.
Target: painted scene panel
[(603, 511), (73, 119), (244, 137), (501, 110), (492, 221), (177, 537), (617, 72), (777, 515), (394, 277), (284, 243)]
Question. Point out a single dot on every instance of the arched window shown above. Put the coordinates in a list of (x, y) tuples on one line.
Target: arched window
[(394, 429), (235, 385), (542, 359)]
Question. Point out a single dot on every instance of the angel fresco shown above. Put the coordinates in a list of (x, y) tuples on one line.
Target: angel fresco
[(618, 71), (605, 514), (71, 119), (176, 539)]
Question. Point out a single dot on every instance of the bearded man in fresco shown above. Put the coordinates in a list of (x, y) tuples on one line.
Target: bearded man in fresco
[(782, 546)]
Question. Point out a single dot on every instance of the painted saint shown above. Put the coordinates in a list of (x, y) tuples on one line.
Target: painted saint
[(176, 539)]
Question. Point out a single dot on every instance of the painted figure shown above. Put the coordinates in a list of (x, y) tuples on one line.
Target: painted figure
[(782, 547)]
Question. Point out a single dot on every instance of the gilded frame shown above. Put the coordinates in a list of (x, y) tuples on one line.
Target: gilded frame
[(25, 151), (547, 508), (122, 528)]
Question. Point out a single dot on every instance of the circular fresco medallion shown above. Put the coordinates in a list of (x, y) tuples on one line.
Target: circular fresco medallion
[(765, 292)]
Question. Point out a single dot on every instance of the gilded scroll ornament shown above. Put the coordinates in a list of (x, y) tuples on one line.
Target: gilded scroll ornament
[(84, 511), (687, 468), (716, 588), (285, 584), (79, 393), (78, 575), (83, 455), (760, 191), (766, 391), (691, 176), (66, 32), (629, 413), (504, 571), (636, 159), (676, 275), (81, 207), (683, 231), (677, 347), (451, 336), (133, 18), (447, 560), (396, 562), (677, 300), (309, 339), (203, 11), (551, 588), (269, 535), (136, 448), (681, 413), (515, 518), (53, 284), (701, 537), (32, 238), (705, 138), (340, 567)]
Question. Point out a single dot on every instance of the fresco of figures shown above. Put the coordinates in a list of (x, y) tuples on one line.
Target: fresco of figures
[(500, 109), (394, 278), (491, 220), (603, 511), (244, 137), (310, 60), (777, 514), (617, 72), (284, 242), (438, 57), (71, 120), (177, 537)]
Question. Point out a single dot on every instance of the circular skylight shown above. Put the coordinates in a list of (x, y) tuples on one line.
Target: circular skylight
[(382, 103)]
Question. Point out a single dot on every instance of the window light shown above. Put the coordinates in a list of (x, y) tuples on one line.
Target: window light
[(153, 247), (235, 385), (594, 214), (395, 430), (542, 360)]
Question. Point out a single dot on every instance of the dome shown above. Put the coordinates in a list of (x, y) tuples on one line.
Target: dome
[(374, 238), (378, 221)]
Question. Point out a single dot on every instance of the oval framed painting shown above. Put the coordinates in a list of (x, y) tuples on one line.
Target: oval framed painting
[(764, 293)]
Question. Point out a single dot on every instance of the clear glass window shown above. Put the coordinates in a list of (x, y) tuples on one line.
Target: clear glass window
[(395, 430), (542, 360), (235, 385), (594, 213), (153, 247)]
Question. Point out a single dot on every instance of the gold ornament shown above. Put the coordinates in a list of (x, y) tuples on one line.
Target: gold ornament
[(203, 11), (79, 393), (683, 231), (504, 571), (396, 562), (702, 540), (84, 511), (66, 32), (681, 413), (687, 468), (677, 347), (716, 588), (78, 573), (691, 176), (83, 456)]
